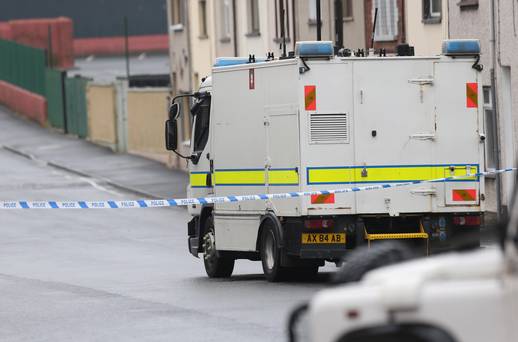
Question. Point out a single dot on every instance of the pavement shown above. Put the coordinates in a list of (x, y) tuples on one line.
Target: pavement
[(129, 172), (121, 274)]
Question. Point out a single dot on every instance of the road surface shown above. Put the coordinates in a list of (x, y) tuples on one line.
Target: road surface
[(119, 275)]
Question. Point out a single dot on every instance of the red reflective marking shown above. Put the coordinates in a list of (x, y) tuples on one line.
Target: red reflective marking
[(462, 195), (323, 199), (310, 97), (472, 95)]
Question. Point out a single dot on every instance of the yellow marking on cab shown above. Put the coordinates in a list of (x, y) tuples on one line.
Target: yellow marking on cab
[(198, 179)]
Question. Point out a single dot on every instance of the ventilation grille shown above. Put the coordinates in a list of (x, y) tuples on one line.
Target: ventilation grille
[(329, 128)]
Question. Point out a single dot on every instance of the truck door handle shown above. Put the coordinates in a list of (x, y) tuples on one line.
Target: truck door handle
[(423, 136), (421, 81), (424, 192)]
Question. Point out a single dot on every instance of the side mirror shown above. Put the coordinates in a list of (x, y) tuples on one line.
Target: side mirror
[(171, 135), (174, 110)]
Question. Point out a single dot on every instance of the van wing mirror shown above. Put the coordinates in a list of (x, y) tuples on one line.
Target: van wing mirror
[(171, 135), (174, 110)]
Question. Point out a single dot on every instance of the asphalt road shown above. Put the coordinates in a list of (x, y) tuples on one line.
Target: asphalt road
[(119, 275)]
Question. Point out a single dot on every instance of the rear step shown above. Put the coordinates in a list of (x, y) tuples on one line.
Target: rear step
[(398, 236)]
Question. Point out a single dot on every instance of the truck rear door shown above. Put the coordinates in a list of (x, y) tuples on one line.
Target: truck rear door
[(394, 133)]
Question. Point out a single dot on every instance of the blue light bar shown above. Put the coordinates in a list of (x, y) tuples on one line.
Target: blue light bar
[(229, 61), (461, 47), (314, 49)]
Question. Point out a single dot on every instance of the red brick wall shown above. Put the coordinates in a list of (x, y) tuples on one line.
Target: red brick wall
[(35, 33), (24, 102), (401, 38), (115, 45)]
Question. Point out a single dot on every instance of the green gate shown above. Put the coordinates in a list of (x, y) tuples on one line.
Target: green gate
[(76, 117), (23, 66), (55, 94)]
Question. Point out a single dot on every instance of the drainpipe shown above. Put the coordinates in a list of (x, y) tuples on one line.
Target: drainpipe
[(319, 21), (293, 23), (189, 47), (495, 118), (234, 27)]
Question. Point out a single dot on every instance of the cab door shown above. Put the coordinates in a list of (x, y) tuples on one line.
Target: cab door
[(200, 177)]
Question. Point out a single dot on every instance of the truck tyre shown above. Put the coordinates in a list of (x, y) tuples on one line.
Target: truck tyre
[(365, 259), (271, 254), (216, 265)]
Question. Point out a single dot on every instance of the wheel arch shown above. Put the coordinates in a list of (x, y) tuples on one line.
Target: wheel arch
[(270, 217), (205, 213)]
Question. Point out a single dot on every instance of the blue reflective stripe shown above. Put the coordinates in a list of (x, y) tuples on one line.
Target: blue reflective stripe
[(24, 205), (172, 202), (202, 200), (83, 205), (232, 198), (263, 197), (142, 204), (112, 204), (294, 194), (53, 205)]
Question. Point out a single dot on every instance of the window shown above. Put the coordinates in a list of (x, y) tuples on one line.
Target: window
[(226, 22), (387, 22), (253, 17), (201, 114), (468, 4), (489, 128), (432, 11), (347, 9), (202, 12), (177, 12), (312, 11)]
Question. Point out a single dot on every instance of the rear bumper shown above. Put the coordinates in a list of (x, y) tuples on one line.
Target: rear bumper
[(440, 229)]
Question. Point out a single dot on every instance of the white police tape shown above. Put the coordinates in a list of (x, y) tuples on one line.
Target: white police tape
[(221, 199)]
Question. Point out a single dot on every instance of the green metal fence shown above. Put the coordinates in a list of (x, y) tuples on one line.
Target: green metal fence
[(23, 66), (55, 94), (76, 117)]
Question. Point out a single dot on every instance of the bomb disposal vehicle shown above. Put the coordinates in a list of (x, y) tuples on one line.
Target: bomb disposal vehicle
[(316, 121)]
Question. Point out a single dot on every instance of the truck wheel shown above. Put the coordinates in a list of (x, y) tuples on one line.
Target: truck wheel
[(271, 254), (216, 265)]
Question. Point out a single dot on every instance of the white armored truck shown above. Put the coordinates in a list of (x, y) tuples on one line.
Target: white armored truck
[(319, 121)]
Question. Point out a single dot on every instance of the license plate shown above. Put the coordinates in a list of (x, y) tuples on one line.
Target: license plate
[(323, 238)]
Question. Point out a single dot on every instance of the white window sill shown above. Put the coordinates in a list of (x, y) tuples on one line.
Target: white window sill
[(176, 28)]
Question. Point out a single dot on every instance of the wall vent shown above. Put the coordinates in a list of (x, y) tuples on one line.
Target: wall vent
[(329, 128)]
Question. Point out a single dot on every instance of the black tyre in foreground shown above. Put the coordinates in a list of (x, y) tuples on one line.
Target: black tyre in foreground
[(365, 259), (216, 265)]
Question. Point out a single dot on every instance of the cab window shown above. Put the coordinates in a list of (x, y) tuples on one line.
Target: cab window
[(201, 117)]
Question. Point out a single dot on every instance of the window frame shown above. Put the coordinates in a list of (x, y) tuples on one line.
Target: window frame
[(226, 21), (177, 14), (202, 19), (254, 21), (389, 36), (347, 5), (431, 15)]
